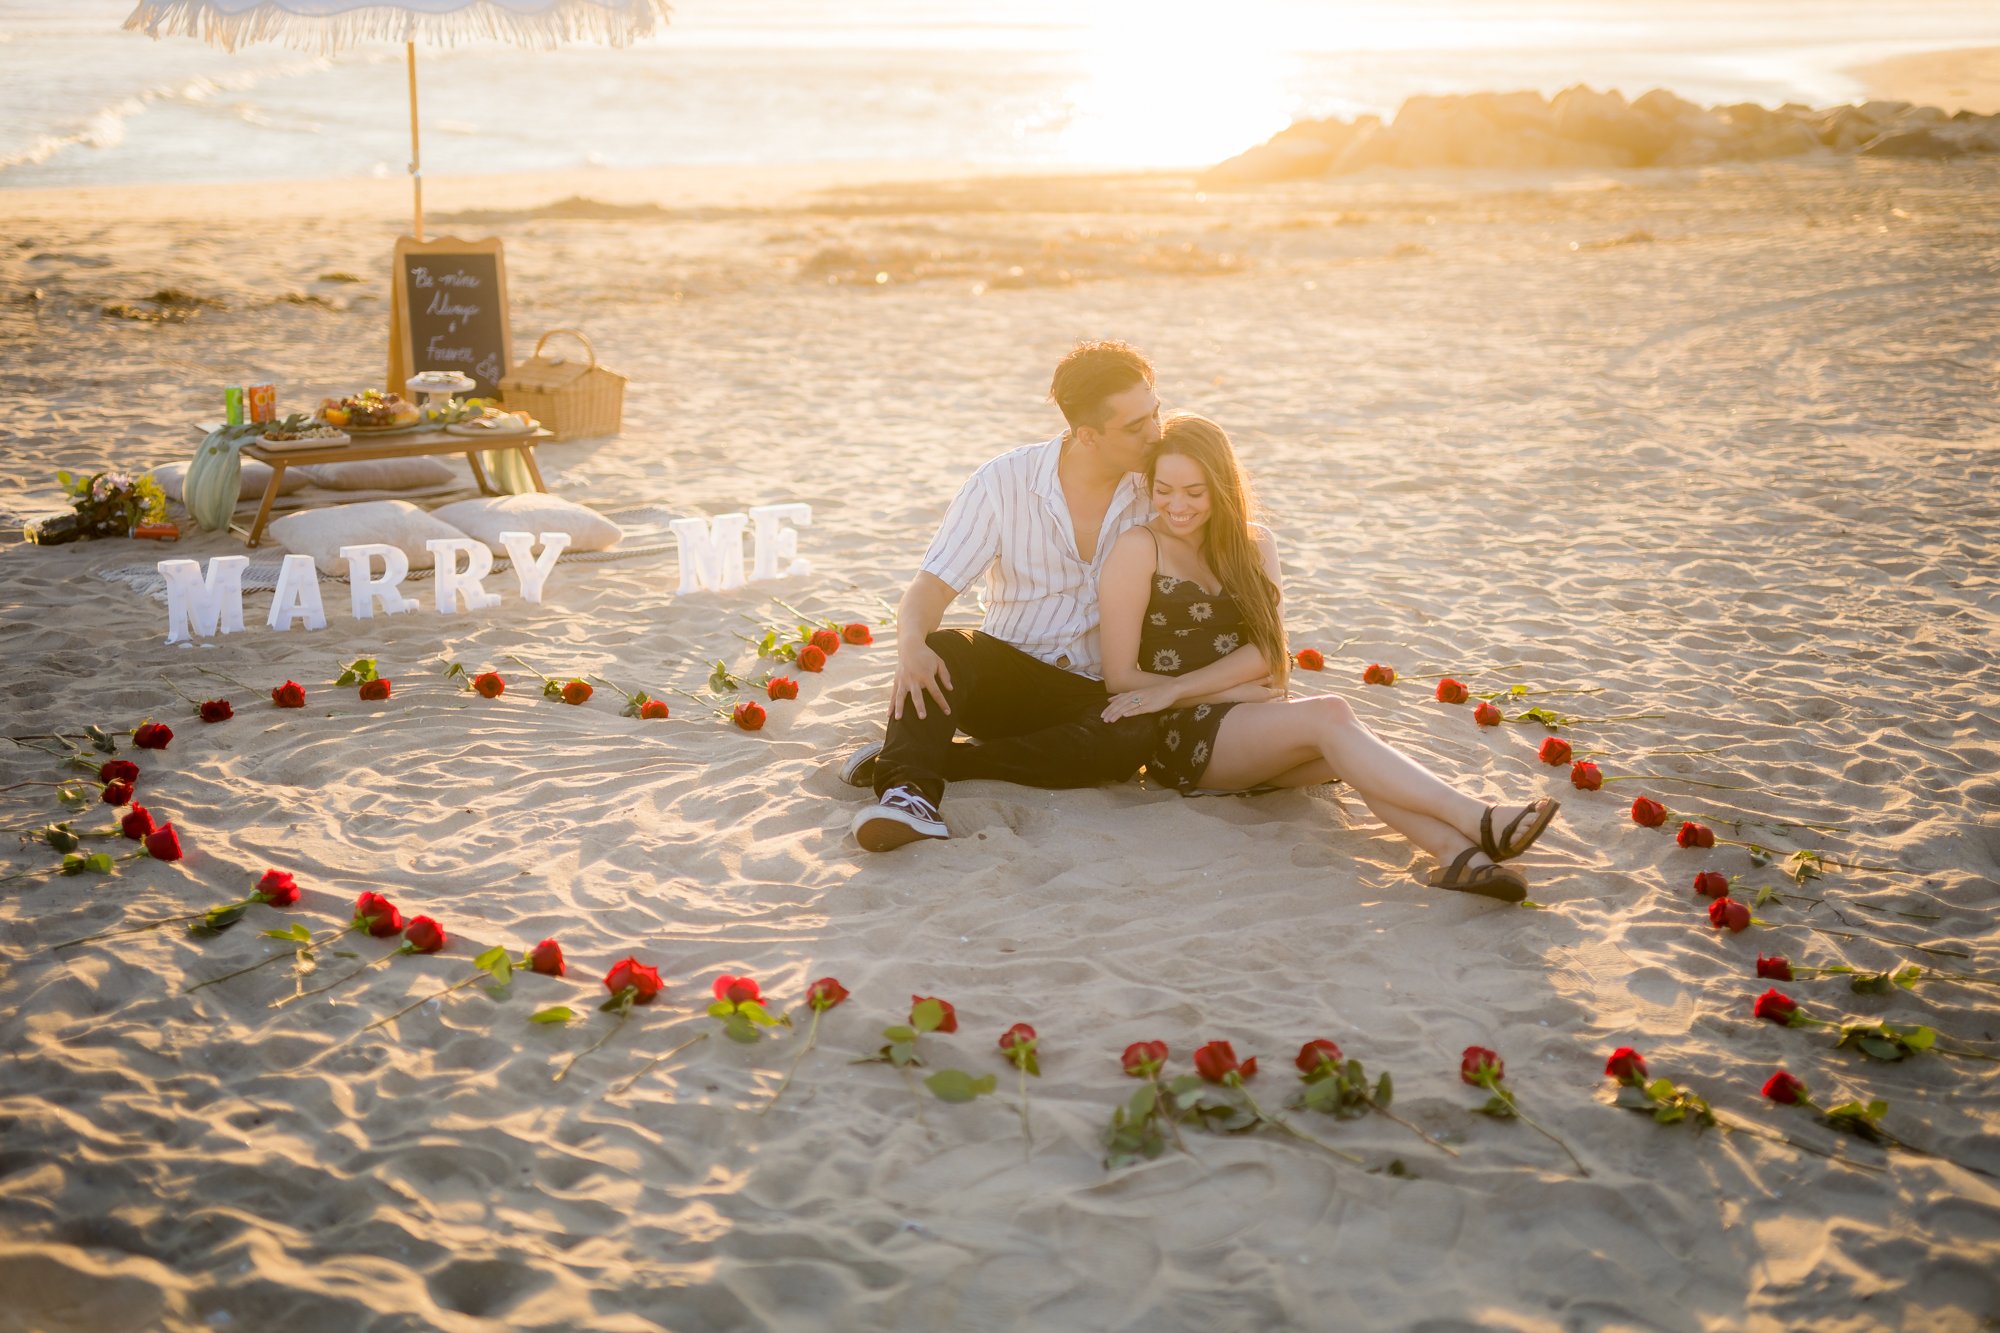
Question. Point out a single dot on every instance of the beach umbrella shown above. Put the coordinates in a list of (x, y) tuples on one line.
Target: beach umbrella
[(330, 26)]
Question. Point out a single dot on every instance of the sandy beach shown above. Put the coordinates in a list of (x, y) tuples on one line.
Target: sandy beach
[(1719, 445)]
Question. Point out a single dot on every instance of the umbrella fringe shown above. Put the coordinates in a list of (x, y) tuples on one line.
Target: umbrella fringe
[(614, 22)]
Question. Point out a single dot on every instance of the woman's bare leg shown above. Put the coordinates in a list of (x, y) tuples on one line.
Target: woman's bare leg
[(1313, 740)]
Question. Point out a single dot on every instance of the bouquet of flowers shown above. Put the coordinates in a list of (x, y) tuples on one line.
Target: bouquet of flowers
[(104, 504)]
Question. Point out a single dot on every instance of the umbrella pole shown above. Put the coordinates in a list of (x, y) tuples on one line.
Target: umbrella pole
[(416, 150)]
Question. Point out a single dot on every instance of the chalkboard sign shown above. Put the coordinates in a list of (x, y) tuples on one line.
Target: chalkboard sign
[(449, 312)]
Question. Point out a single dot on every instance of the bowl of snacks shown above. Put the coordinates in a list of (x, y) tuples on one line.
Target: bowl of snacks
[(301, 432), (374, 412)]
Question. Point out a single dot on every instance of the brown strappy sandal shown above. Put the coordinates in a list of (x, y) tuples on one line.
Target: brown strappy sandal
[(1510, 843), (1488, 881)]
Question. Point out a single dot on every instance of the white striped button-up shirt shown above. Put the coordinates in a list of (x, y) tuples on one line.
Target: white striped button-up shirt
[(1011, 523)]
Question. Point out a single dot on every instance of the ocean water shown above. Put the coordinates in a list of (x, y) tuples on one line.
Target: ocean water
[(1028, 83)]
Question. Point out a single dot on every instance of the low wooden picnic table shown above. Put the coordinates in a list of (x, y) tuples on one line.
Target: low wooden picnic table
[(363, 449)]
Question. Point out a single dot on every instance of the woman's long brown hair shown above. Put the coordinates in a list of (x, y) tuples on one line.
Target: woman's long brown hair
[(1226, 543)]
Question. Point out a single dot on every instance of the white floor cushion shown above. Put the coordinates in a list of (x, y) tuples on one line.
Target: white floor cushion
[(173, 476), (381, 474), (486, 519), (320, 533)]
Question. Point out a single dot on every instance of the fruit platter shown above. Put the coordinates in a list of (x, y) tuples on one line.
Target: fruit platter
[(301, 432), (373, 412)]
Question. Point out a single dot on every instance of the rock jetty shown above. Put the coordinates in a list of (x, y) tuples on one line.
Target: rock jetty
[(1581, 127)]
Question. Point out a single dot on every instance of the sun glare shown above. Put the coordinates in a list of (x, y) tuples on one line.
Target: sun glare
[(1172, 82)]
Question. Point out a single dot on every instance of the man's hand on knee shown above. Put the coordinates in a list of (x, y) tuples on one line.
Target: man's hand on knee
[(919, 671)]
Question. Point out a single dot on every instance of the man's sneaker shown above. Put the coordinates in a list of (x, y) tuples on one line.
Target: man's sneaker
[(859, 770), (901, 816)]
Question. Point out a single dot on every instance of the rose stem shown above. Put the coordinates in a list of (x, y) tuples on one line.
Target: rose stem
[(650, 1065), (1027, 1134), (1445, 1147), (1851, 935), (823, 624), (812, 1034), (1838, 1159), (393, 953), (477, 973), (512, 658), (305, 946), (623, 1014), (1298, 1134), (1581, 1169), (1668, 777), (151, 925)]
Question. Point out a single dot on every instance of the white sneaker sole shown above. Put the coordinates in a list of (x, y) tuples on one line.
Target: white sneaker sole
[(879, 829)]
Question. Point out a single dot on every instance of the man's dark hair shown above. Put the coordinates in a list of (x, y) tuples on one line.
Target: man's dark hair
[(1092, 373)]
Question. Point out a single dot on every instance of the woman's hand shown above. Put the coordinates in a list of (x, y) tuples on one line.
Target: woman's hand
[(1136, 703)]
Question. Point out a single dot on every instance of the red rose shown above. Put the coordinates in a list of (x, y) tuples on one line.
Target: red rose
[(644, 981), (375, 690), (546, 958), (163, 844), (490, 684), (1777, 1006), (654, 710), (377, 915), (1728, 912), (1478, 1062), (576, 692), (1648, 812), (950, 1022), (1017, 1035), (1217, 1061), (152, 735), (1450, 691), (1711, 884), (1775, 968), (738, 990), (1315, 1053), (426, 934), (749, 714), (1142, 1059), (137, 823), (217, 710), (117, 793), (1486, 715), (811, 658), (1377, 674), (289, 695), (118, 770), (1695, 835), (278, 888), (1554, 751), (1585, 776), (782, 687), (1783, 1089), (1626, 1065), (1310, 659), (827, 641), (857, 633), (825, 993)]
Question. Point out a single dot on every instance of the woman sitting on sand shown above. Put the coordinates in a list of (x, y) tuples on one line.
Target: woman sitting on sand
[(1191, 630)]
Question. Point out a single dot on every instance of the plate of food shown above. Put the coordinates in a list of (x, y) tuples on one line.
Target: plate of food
[(373, 412), (496, 424), (301, 432)]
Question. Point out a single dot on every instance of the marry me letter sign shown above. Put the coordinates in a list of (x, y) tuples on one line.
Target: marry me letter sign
[(205, 602)]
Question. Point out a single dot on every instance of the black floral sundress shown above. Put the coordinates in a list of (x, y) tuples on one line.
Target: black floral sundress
[(1187, 627)]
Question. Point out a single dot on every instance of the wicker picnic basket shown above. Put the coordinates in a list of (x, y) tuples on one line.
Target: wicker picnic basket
[(570, 398)]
